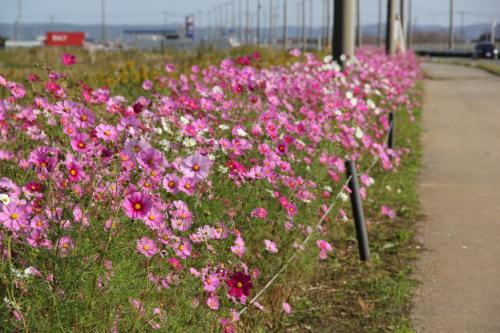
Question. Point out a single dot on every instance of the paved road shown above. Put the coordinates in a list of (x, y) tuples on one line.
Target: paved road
[(460, 192)]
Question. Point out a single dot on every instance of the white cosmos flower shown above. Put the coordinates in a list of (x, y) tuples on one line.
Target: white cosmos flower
[(4, 198), (344, 197), (359, 133)]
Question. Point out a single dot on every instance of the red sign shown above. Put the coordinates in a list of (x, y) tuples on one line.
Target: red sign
[(60, 38)]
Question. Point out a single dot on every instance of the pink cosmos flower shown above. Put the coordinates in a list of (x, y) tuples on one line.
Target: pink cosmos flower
[(147, 85), (213, 302), (147, 247), (107, 133), (83, 118), (151, 159), (44, 158), (187, 185), (388, 211), (211, 282), (136, 205), (324, 248), (154, 219), (68, 59), (287, 308), (239, 285), (291, 210), (239, 247), (181, 216), (14, 217), (195, 166), (271, 246), (260, 213), (183, 248), (171, 183), (65, 244)]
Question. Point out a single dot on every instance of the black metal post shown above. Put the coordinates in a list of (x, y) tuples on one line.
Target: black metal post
[(357, 212), (390, 137)]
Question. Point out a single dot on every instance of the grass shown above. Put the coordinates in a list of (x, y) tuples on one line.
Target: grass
[(346, 295)]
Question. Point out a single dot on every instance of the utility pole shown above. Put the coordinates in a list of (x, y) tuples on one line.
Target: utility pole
[(329, 29), (17, 24), (402, 16), (324, 30), (409, 33), (379, 28), (240, 19), (258, 22), (391, 18), (462, 28), (285, 25), (358, 24), (304, 36), (310, 19), (233, 13), (103, 12), (270, 33), (247, 23), (450, 36), (343, 30)]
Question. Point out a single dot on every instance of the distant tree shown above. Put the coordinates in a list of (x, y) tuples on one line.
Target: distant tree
[(2, 41)]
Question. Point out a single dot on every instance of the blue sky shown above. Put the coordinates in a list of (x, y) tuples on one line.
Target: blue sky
[(151, 11)]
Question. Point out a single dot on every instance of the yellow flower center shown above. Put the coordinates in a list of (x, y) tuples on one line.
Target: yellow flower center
[(81, 145), (39, 223), (196, 167), (83, 118), (70, 130), (239, 285), (43, 164), (72, 172), (187, 186), (151, 217), (65, 245), (137, 206), (171, 184), (107, 133), (14, 216), (181, 247), (146, 247)]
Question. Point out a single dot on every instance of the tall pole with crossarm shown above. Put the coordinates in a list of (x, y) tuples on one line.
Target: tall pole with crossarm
[(343, 30)]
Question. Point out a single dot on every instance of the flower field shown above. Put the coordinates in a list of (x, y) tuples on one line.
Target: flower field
[(170, 206)]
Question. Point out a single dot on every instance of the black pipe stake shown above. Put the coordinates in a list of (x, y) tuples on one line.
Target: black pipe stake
[(390, 137), (357, 212)]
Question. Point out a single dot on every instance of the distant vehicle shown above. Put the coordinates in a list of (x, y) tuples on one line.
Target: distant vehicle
[(485, 50), (63, 38)]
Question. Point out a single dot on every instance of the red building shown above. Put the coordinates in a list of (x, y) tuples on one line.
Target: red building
[(61, 38)]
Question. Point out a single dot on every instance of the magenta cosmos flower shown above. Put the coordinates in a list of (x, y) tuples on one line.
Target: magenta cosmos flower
[(137, 205), (196, 166), (68, 59), (239, 285), (75, 171), (147, 247)]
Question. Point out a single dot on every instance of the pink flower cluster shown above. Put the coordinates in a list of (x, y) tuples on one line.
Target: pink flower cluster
[(182, 178)]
